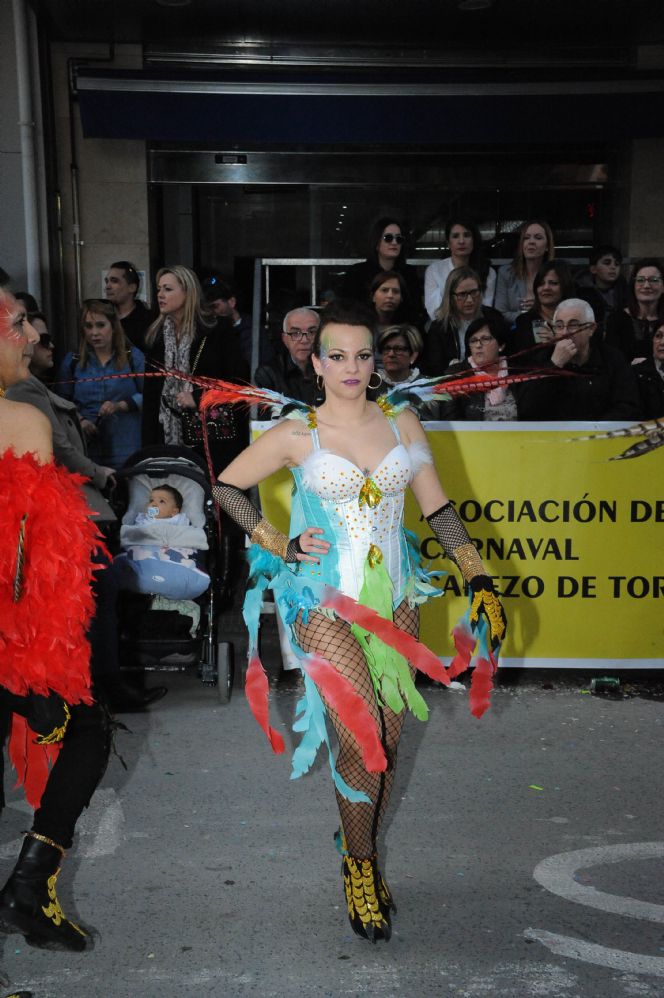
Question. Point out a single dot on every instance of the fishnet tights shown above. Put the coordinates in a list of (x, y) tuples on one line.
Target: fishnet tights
[(333, 640)]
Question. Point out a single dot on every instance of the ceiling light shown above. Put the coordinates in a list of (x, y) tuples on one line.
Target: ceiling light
[(173, 3)]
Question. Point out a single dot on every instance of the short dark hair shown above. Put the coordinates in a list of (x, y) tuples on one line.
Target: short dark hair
[(606, 249), (131, 275), (563, 273), (172, 492), (215, 288), (30, 302), (344, 312), (496, 326)]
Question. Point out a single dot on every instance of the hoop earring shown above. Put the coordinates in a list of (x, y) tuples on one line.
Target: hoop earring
[(375, 388), (319, 382)]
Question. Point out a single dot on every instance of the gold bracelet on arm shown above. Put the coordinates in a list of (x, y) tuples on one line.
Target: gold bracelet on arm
[(270, 538), (468, 559)]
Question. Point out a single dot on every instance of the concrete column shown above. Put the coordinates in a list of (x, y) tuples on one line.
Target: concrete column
[(12, 222), (111, 179), (645, 219)]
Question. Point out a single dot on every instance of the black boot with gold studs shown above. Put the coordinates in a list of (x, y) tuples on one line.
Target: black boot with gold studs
[(29, 903)]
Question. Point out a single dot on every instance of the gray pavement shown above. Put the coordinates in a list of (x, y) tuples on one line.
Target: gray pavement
[(206, 871)]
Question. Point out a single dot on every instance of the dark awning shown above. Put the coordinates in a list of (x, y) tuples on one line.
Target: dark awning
[(313, 109)]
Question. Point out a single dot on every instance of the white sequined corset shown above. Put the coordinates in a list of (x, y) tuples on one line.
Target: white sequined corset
[(359, 510)]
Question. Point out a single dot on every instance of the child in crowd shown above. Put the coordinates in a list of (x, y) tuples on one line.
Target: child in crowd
[(605, 277)]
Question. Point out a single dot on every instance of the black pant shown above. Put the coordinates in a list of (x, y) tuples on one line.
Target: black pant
[(77, 771)]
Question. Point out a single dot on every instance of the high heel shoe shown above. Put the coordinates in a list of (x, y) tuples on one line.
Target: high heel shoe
[(368, 917)]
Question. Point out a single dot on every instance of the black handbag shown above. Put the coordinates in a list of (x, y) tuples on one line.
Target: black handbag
[(219, 425), (219, 420)]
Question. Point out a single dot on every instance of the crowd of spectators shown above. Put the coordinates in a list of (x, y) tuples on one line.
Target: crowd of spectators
[(604, 328), (604, 325)]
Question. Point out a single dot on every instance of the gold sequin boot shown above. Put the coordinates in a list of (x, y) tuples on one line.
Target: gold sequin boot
[(368, 916)]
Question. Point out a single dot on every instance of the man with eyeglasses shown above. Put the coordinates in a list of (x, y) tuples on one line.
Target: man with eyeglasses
[(603, 385), (291, 373)]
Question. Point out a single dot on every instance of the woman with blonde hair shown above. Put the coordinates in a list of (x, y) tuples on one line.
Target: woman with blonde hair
[(461, 304), (514, 287), (108, 407), (186, 338)]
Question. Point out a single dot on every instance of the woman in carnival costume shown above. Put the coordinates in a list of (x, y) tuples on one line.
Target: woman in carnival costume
[(59, 741), (348, 587)]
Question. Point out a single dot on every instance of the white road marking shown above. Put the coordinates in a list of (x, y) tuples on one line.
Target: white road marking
[(556, 873), (99, 829), (616, 959)]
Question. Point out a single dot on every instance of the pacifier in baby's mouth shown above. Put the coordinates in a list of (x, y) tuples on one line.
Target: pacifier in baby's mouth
[(153, 512)]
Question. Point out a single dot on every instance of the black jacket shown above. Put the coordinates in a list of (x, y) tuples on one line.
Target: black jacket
[(528, 404), (441, 346), (651, 389), (221, 357), (603, 388), (358, 280), (284, 376), (137, 323), (633, 337)]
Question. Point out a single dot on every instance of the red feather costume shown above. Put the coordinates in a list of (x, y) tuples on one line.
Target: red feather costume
[(43, 644)]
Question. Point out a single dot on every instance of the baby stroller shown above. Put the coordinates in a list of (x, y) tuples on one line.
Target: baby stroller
[(156, 632)]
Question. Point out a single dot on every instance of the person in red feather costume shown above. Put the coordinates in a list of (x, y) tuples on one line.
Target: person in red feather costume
[(59, 737)]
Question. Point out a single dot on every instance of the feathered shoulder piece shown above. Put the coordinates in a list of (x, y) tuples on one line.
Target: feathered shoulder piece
[(228, 393), (447, 386)]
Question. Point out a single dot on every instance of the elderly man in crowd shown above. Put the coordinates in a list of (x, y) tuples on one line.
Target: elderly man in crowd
[(605, 385), (292, 373)]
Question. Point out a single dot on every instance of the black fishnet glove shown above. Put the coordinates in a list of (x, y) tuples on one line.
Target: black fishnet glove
[(242, 511), (456, 543)]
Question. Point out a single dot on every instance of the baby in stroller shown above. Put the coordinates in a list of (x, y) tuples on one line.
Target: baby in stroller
[(161, 549)]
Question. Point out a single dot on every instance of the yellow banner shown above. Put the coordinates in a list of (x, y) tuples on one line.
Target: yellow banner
[(572, 538)]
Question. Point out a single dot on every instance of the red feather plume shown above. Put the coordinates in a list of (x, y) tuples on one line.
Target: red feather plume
[(417, 653), (256, 692), (482, 382), (352, 710)]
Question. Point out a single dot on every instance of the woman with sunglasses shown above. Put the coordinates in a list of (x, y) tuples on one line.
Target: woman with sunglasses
[(109, 407), (631, 330), (461, 305), (465, 245), (386, 252)]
